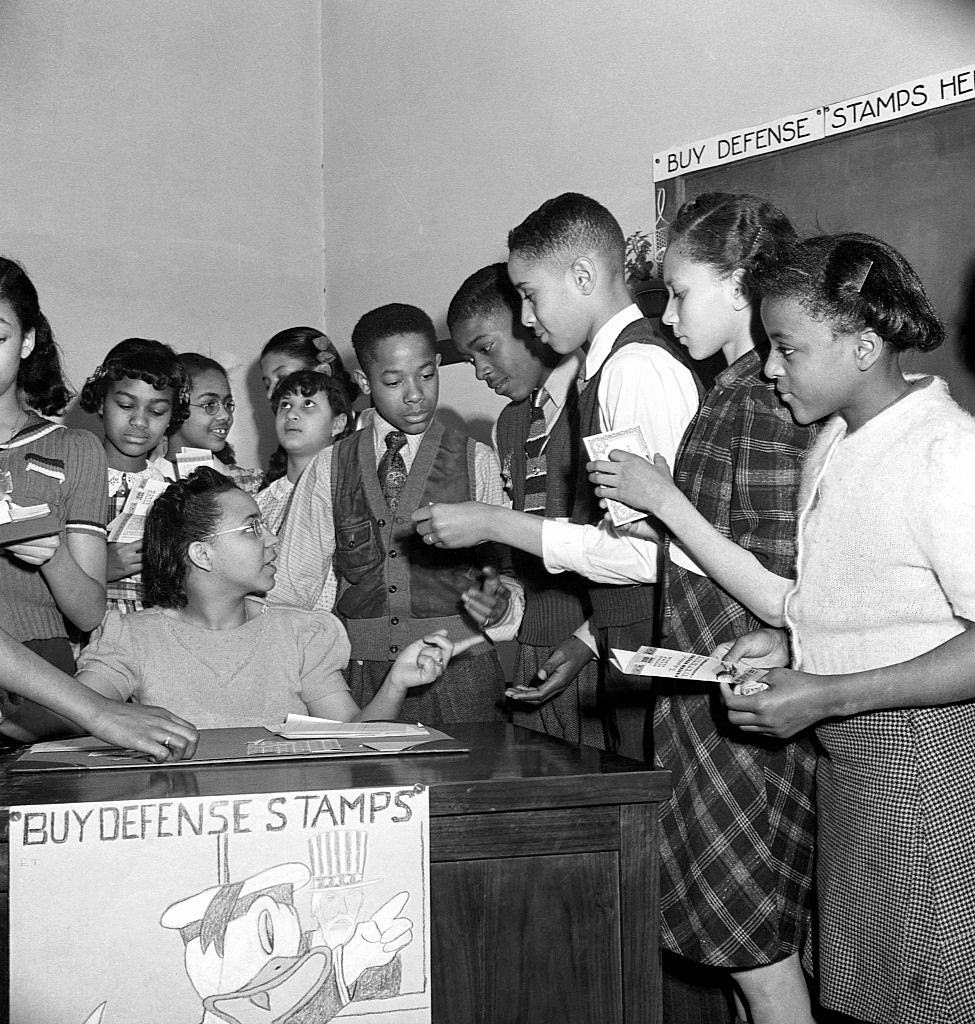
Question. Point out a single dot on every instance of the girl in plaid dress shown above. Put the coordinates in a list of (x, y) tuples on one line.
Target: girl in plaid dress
[(139, 392), (738, 831), (881, 626)]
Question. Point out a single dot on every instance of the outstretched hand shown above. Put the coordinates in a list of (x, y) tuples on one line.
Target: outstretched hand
[(555, 676), (486, 602), (633, 481), (459, 524), (422, 661)]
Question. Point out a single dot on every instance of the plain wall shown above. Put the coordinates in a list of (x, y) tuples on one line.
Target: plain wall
[(161, 176), (162, 159), (447, 123)]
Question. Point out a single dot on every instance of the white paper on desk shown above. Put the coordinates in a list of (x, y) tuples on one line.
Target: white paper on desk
[(629, 440), (666, 664), (79, 743), (130, 523), (304, 727)]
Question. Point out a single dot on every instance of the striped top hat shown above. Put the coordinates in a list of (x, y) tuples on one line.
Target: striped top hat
[(338, 859)]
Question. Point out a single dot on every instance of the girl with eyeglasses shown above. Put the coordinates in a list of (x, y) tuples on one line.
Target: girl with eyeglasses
[(211, 649), (210, 417)]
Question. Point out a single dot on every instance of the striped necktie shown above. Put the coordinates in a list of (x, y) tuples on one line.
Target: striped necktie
[(536, 470), (392, 469)]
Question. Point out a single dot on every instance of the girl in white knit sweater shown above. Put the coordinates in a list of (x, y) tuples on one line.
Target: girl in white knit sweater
[(880, 619)]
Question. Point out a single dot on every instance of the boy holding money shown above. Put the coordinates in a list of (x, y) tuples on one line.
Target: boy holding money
[(566, 262)]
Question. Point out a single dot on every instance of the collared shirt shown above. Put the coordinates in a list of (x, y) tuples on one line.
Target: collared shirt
[(274, 502), (308, 541), (643, 385), (561, 377)]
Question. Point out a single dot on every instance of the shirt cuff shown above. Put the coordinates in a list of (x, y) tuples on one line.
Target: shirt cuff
[(585, 634), (562, 545)]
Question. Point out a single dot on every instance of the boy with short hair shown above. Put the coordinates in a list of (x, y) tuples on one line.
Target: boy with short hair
[(566, 262), (351, 509), (537, 440)]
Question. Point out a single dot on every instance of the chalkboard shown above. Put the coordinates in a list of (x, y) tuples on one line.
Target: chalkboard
[(910, 182)]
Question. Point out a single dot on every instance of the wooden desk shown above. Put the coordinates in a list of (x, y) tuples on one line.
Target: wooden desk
[(544, 866)]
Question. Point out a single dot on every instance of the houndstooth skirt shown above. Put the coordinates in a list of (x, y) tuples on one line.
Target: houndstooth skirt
[(896, 865)]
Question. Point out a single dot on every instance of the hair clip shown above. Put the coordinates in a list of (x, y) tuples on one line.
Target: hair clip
[(183, 396), (323, 344), (860, 280), (99, 373)]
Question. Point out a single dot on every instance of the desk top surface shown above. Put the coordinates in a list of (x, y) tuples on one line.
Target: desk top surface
[(507, 769)]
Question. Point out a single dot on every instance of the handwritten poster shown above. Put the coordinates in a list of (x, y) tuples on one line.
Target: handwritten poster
[(290, 908)]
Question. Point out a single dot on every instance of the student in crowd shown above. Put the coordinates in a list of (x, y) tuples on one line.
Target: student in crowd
[(351, 509), (139, 391), (880, 619), (26, 680), (209, 418), (736, 857), (537, 440), (311, 412), (213, 650), (566, 263), (303, 348), (49, 579)]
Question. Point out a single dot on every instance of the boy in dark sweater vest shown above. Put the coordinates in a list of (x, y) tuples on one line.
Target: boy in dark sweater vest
[(351, 509), (537, 440), (566, 262)]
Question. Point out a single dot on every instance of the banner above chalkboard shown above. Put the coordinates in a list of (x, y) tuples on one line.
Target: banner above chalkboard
[(820, 122)]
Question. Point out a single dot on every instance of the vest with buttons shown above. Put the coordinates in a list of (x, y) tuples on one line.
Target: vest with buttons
[(612, 605), (555, 604), (394, 588)]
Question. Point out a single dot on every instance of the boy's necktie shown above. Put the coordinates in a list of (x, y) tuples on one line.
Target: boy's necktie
[(536, 469), (392, 469)]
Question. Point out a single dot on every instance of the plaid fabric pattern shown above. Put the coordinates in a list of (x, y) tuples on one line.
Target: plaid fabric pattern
[(536, 469), (738, 831)]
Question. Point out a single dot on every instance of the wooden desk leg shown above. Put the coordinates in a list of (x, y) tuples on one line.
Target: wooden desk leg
[(640, 914)]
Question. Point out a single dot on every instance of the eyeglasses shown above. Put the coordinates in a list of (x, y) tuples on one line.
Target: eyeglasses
[(256, 526), (212, 407)]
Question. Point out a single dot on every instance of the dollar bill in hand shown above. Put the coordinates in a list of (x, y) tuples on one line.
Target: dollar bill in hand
[(629, 440)]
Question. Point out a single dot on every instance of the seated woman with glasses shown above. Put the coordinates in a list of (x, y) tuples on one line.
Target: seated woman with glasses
[(211, 415), (211, 649)]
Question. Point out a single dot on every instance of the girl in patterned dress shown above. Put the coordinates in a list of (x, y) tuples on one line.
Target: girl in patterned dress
[(209, 419), (46, 580), (883, 644), (738, 832), (139, 392)]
